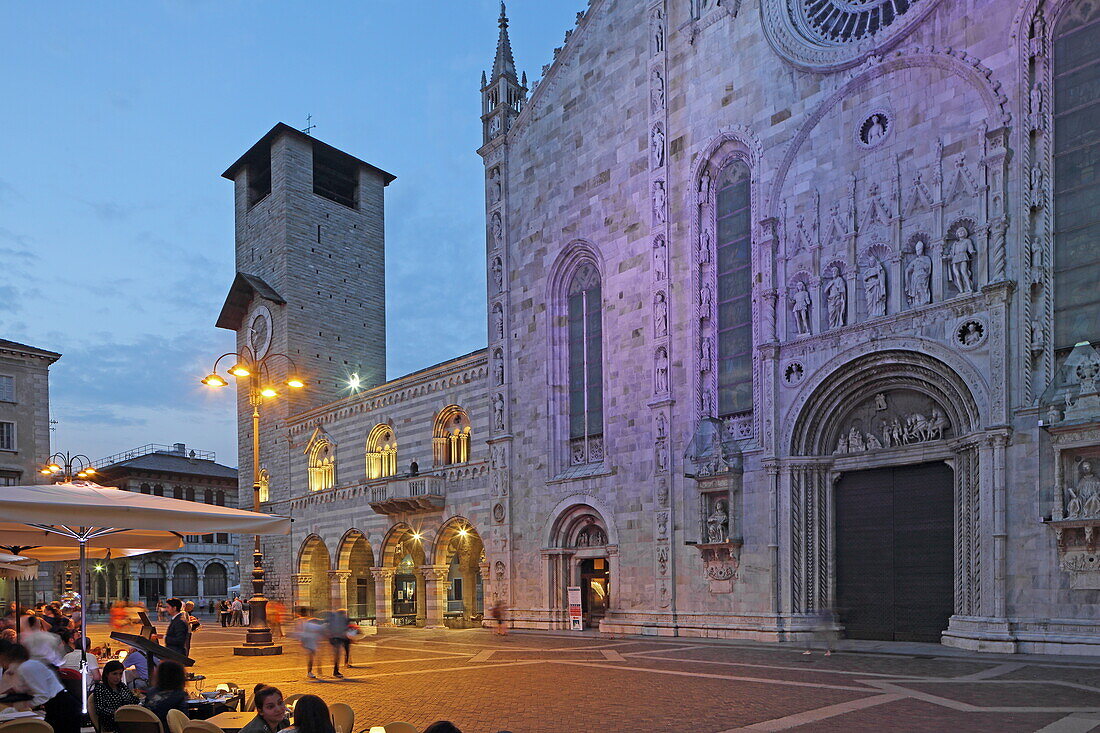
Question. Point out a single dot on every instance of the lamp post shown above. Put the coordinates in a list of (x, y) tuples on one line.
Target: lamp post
[(261, 387), (69, 466)]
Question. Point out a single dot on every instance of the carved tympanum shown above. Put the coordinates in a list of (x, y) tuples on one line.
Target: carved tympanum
[(892, 420)]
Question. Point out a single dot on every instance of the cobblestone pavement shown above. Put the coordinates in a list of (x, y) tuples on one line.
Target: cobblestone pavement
[(529, 682)]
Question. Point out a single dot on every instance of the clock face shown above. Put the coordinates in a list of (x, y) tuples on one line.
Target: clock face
[(258, 336)]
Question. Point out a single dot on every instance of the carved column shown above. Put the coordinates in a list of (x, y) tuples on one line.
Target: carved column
[(486, 587), (134, 588), (809, 583), (302, 583), (439, 451), (435, 594), (383, 596), (338, 587)]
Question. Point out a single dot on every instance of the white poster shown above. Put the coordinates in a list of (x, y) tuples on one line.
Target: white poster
[(576, 617)]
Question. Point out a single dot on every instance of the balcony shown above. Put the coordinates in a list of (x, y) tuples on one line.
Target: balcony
[(408, 495)]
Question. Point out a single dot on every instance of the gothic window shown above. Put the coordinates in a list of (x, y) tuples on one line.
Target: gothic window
[(265, 485), (322, 466), (214, 580), (842, 21), (185, 580), (1076, 185), (585, 354), (734, 288), (381, 452), (451, 437)]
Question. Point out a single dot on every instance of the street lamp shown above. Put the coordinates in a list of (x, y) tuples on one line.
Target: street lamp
[(69, 466), (260, 387)]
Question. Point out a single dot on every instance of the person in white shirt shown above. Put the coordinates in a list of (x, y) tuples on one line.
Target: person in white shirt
[(41, 644), (237, 608), (61, 710), (72, 661)]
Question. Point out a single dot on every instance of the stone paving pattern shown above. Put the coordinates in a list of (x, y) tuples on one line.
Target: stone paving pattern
[(533, 682)]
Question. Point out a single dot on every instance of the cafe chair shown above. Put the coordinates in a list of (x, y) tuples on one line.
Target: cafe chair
[(177, 721), (292, 700), (201, 726), (93, 714), (26, 725), (137, 719), (399, 727), (343, 717)]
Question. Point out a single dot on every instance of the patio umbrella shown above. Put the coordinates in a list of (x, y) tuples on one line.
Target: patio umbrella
[(16, 568), (84, 513)]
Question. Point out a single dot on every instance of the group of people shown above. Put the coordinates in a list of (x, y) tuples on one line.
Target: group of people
[(335, 628), (310, 714)]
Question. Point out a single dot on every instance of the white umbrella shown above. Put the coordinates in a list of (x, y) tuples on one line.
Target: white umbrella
[(16, 568), (86, 514)]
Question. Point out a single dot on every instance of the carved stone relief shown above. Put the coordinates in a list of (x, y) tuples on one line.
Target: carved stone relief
[(892, 420), (835, 290), (793, 373), (801, 303), (874, 129), (495, 225), (660, 315), (873, 274), (660, 258), (961, 273), (657, 145), (1082, 499), (660, 202), (660, 371), (656, 90), (970, 334), (918, 275)]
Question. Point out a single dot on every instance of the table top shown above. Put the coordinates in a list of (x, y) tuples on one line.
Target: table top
[(232, 721)]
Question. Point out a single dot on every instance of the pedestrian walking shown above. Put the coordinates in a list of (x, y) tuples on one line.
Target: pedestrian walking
[(499, 613), (308, 631), (276, 614), (823, 631), (338, 622)]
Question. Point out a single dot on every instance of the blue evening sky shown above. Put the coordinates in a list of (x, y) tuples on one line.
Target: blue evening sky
[(116, 229)]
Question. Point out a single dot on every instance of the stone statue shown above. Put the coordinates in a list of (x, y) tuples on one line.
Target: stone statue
[(705, 300), (918, 277), (961, 253), (658, 33), (836, 297), (1088, 489), (660, 315), (498, 367), (873, 442), (855, 441), (1073, 506), (704, 188), (706, 353), (657, 146), (662, 425), (657, 90), (497, 228), (498, 411), (704, 246), (706, 403), (498, 275), (841, 445), (874, 287), (934, 426), (660, 376), (660, 453), (494, 186), (660, 258), (800, 305), (660, 201), (718, 523), (877, 130), (880, 401), (498, 321)]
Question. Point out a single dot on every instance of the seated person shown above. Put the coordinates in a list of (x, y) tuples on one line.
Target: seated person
[(270, 712), (111, 694), (60, 709), (167, 691), (71, 660), (311, 715), (137, 668)]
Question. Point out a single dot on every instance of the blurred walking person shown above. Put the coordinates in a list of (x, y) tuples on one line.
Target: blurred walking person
[(499, 613), (308, 631), (338, 623), (276, 614), (823, 631)]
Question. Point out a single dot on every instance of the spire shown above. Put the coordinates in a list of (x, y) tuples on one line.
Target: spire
[(504, 64)]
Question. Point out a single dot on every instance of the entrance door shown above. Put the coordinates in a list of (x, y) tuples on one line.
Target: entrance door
[(595, 590), (894, 569), (404, 600)]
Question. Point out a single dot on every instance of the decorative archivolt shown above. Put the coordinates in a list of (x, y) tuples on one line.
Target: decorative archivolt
[(381, 452), (451, 436), (322, 461)]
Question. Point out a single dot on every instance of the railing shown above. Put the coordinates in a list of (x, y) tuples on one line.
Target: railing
[(407, 493), (176, 450)]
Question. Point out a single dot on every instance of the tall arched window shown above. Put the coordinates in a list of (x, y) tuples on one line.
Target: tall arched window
[(1076, 185), (451, 436), (322, 466), (214, 580), (585, 366), (185, 580), (381, 452), (734, 300)]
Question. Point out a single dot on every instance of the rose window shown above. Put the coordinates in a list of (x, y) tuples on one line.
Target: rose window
[(841, 21)]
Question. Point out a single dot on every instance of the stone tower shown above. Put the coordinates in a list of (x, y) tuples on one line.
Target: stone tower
[(310, 283)]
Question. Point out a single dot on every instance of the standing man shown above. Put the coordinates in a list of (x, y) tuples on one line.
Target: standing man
[(237, 609), (178, 636)]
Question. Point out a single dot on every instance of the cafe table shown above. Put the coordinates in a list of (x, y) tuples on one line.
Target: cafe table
[(232, 722)]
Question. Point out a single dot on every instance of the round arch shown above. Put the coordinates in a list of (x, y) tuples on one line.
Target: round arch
[(818, 422), (568, 509), (451, 436), (459, 547), (314, 560), (355, 556), (404, 550)]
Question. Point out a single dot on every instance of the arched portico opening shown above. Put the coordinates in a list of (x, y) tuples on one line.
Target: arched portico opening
[(356, 558), (313, 572), (884, 493), (580, 553), (459, 550), (403, 555)]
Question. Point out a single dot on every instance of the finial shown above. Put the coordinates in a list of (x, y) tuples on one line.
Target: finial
[(503, 22), (484, 80)]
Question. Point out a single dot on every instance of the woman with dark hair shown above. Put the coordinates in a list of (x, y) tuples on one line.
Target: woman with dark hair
[(443, 726), (167, 691), (60, 709), (270, 711), (311, 715), (111, 694)]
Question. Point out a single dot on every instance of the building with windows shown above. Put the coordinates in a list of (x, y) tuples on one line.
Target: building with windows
[(24, 412), (206, 566), (789, 308)]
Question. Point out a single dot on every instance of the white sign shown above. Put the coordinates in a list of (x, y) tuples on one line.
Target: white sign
[(576, 615)]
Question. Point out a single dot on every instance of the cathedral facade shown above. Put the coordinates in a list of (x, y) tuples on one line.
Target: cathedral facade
[(788, 309)]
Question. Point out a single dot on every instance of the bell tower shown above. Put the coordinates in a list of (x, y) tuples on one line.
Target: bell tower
[(310, 281), (503, 94)]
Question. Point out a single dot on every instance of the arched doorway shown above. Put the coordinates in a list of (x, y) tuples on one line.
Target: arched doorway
[(404, 553), (356, 557), (459, 548), (583, 559), (185, 581), (214, 581), (884, 497), (314, 562), (152, 583)]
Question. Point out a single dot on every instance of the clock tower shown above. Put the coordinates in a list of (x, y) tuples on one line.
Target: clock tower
[(310, 281)]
